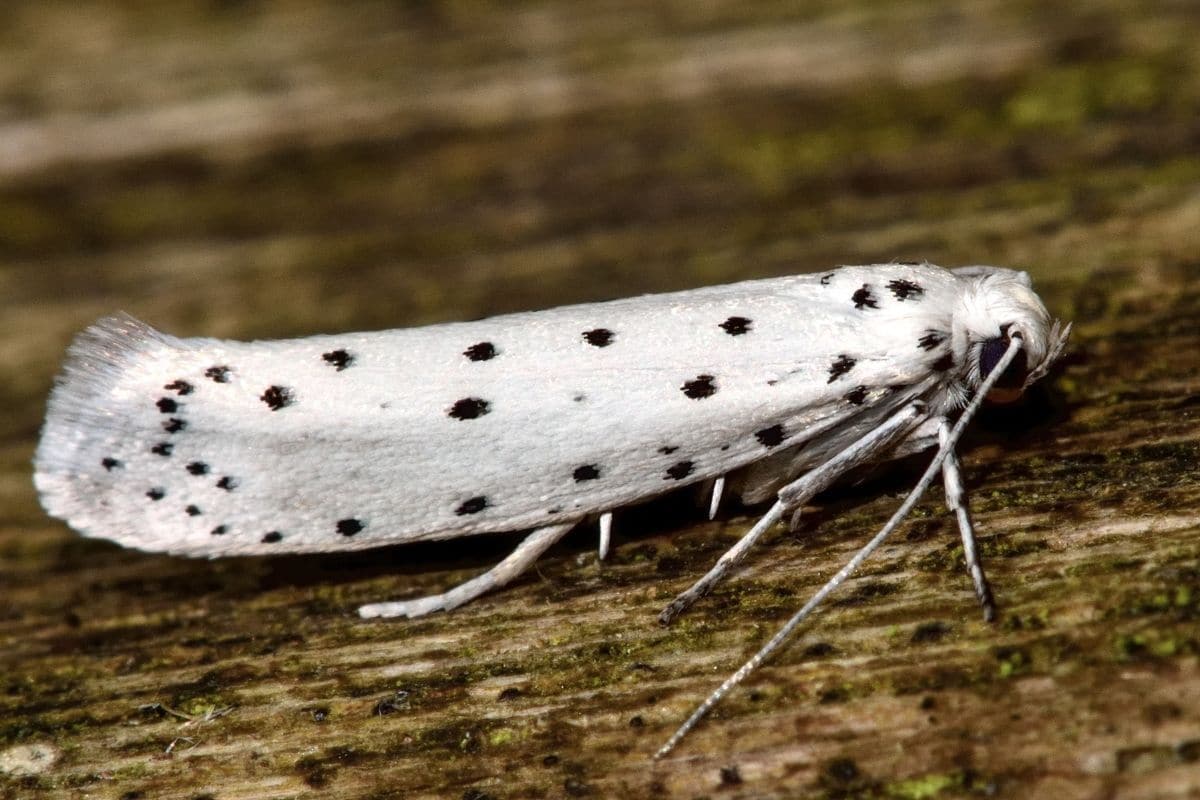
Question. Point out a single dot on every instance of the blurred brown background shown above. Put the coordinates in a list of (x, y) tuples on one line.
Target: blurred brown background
[(262, 169)]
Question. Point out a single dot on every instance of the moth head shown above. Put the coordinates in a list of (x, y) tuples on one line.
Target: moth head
[(999, 306)]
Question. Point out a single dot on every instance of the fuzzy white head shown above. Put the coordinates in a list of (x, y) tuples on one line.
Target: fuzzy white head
[(997, 305)]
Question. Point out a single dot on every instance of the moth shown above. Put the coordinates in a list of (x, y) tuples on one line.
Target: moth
[(534, 421)]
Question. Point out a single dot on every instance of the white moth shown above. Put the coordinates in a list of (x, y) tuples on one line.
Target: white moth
[(534, 421)]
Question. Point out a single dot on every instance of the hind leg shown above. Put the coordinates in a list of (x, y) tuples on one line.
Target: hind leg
[(513, 565)]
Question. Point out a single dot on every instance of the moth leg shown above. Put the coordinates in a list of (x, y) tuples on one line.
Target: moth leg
[(605, 533), (717, 490), (517, 562), (796, 493), (927, 478), (956, 501)]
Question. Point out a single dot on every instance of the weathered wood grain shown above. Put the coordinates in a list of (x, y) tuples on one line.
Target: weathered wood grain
[(248, 169)]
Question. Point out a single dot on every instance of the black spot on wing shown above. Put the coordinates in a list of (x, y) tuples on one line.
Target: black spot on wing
[(826, 278), (193, 511), (770, 437), (272, 537), (179, 387), (904, 289), (588, 472), (349, 527), (469, 408), (218, 374), (339, 359), (174, 425), (736, 326), (471, 505), (857, 396), (863, 298), (840, 367), (481, 351), (599, 337), (198, 468), (109, 463), (220, 530), (167, 406), (162, 449), (931, 339), (227, 483), (277, 397), (666, 450), (700, 387), (679, 471), (157, 493)]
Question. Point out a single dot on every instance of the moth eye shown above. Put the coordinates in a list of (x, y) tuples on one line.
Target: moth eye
[(1012, 380)]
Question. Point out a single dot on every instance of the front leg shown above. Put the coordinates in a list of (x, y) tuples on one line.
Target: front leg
[(866, 449), (956, 501)]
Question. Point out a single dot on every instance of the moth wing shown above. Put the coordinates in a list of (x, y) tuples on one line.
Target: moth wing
[(337, 442)]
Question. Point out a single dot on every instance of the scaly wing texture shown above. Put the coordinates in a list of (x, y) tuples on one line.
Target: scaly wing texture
[(201, 446)]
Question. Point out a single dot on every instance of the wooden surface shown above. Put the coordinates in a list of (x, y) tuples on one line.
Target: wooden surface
[(252, 169)]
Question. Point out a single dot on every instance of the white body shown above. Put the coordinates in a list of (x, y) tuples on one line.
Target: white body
[(360, 440)]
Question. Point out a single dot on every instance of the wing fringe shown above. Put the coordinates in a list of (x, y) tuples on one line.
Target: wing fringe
[(81, 408)]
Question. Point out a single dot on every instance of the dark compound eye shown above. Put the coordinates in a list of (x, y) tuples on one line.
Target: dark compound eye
[(990, 353)]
